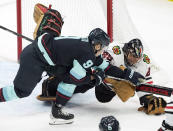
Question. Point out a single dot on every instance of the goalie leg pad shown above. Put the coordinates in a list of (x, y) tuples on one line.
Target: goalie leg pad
[(48, 20), (49, 88), (39, 11)]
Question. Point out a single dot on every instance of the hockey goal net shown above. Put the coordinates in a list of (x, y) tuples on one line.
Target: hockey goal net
[(80, 17)]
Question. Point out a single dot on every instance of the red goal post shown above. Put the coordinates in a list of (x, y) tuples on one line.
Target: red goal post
[(96, 13)]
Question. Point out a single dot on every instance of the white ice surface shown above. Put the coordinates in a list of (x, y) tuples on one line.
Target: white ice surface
[(153, 19)]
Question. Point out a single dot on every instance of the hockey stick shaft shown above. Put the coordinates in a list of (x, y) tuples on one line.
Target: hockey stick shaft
[(15, 33), (155, 89)]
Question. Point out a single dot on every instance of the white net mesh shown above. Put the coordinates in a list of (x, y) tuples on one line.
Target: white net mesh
[(124, 30), (80, 17)]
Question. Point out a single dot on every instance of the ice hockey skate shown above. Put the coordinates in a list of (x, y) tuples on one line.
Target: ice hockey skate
[(58, 117)]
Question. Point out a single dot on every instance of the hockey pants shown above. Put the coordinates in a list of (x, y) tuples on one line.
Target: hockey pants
[(29, 73)]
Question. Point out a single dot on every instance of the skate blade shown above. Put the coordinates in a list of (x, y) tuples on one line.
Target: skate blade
[(54, 121)]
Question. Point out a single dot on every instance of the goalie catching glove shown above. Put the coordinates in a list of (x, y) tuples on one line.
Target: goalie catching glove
[(47, 20), (124, 89), (152, 104)]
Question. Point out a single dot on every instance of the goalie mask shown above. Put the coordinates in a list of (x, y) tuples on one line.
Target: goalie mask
[(109, 123), (133, 51), (98, 36)]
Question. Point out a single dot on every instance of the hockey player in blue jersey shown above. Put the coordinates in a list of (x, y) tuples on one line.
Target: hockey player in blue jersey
[(72, 57)]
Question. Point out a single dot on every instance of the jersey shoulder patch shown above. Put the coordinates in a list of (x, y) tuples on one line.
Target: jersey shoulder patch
[(146, 59), (116, 50)]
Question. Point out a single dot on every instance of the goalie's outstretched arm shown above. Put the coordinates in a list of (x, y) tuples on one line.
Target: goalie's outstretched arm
[(114, 71), (127, 74)]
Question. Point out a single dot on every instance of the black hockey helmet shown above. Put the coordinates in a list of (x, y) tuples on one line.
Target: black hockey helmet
[(134, 47), (109, 123), (97, 35)]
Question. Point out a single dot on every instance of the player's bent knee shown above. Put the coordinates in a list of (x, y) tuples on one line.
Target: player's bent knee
[(103, 95), (103, 98), (21, 93)]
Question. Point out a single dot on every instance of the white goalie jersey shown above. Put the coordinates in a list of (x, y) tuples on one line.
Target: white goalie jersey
[(115, 55)]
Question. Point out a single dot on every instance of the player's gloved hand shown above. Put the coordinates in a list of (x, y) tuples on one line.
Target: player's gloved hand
[(165, 127), (152, 104), (99, 75), (134, 77)]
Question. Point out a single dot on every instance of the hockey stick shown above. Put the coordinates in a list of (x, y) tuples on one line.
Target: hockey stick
[(15, 33), (155, 89)]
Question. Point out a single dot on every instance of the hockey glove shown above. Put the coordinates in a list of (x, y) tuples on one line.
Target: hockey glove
[(99, 76), (124, 89), (152, 105), (48, 20), (165, 127), (134, 77)]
